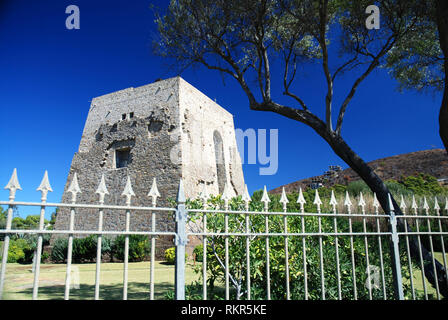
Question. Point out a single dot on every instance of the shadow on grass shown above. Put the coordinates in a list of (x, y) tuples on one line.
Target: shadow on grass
[(136, 291)]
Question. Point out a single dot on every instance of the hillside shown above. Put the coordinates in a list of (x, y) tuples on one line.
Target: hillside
[(433, 162)]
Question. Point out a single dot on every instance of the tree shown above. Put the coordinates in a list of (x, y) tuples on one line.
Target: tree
[(442, 25), (421, 63), (242, 38)]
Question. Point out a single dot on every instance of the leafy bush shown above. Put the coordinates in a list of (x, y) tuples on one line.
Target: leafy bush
[(84, 249), (357, 187), (16, 250), (198, 253), (21, 250), (170, 255), (59, 250), (424, 184), (257, 253), (139, 247)]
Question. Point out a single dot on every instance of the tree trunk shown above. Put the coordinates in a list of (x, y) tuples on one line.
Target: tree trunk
[(442, 25), (367, 174), (341, 148)]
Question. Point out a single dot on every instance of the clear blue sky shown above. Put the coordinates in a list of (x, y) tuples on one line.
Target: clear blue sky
[(49, 75)]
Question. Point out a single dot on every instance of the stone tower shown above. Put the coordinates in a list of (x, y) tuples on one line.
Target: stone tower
[(165, 130)]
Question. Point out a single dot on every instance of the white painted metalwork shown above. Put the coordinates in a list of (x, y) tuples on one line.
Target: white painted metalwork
[(181, 234), (44, 188)]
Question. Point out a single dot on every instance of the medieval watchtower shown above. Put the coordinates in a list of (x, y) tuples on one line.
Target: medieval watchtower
[(165, 130)]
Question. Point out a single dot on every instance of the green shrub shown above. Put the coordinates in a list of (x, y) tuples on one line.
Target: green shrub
[(356, 187), (424, 184), (59, 250), (20, 251), (139, 247), (84, 249), (170, 255), (198, 253)]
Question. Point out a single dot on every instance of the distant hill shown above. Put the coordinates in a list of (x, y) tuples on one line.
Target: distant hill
[(433, 162)]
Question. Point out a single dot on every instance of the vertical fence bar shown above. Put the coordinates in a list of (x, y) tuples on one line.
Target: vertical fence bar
[(408, 252), (204, 257), (44, 187), (437, 209), (102, 191), (38, 253), (126, 257), (426, 208), (362, 204), (334, 203), (13, 185), (226, 245), (268, 269), (154, 194), (398, 281), (301, 201), (98, 255), (348, 204), (284, 201), (204, 197), (74, 190), (265, 199), (181, 241), (6, 248), (246, 199), (376, 205), (204, 245), (153, 254), (128, 193), (417, 225), (318, 203), (69, 255)]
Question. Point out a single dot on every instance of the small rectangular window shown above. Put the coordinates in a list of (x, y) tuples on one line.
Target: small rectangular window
[(122, 158), (123, 116), (131, 115)]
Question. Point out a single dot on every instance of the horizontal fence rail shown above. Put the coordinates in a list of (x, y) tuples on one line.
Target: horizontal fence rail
[(339, 251)]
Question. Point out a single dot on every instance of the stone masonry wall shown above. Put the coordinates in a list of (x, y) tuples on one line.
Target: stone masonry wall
[(171, 127)]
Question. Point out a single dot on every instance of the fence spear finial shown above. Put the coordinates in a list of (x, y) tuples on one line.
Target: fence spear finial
[(333, 201), (317, 200), (226, 196), (361, 201), (403, 204), (265, 198), (13, 185), (246, 196), (301, 199), (128, 192), (414, 203), (425, 204), (376, 203), (436, 204), (44, 187), (284, 199), (102, 189), (181, 192), (154, 192), (347, 201), (391, 205), (74, 188)]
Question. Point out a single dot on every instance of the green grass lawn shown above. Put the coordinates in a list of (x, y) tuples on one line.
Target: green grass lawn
[(19, 281), (418, 280)]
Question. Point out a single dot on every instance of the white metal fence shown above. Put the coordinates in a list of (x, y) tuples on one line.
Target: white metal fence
[(257, 253)]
